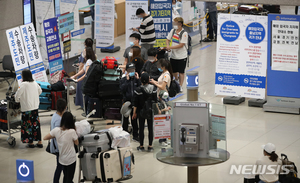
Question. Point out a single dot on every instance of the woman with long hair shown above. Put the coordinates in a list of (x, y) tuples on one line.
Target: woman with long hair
[(88, 60), (28, 95), (165, 78), (136, 58), (66, 137)]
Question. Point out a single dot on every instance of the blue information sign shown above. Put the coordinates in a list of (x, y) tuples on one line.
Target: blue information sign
[(78, 32), (25, 171), (161, 11), (53, 45), (192, 81), (230, 31)]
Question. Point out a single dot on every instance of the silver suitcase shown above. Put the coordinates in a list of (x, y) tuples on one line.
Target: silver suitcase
[(88, 166), (96, 142)]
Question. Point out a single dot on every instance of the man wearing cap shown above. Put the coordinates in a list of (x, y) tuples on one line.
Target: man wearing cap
[(128, 85), (145, 96), (269, 158)]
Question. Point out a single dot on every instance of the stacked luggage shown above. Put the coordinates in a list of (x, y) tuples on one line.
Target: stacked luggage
[(50, 94), (101, 84), (99, 163)]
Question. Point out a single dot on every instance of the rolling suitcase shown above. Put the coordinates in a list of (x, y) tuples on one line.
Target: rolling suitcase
[(112, 113), (88, 166), (96, 142), (44, 85), (55, 95), (110, 164), (113, 102), (94, 103)]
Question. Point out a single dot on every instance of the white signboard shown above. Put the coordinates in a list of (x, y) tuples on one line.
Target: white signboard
[(104, 23), (17, 51), (132, 21), (241, 61), (44, 9), (285, 45), (33, 53), (162, 126)]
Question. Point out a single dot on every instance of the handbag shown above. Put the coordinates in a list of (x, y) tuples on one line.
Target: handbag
[(48, 148)]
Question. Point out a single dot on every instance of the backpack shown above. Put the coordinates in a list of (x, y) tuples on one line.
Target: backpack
[(174, 88), (189, 43), (146, 111), (292, 170), (92, 79)]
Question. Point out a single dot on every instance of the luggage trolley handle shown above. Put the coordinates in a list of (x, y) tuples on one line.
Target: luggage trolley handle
[(68, 91)]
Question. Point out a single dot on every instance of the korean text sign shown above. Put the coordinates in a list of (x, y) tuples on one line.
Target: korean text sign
[(53, 45), (33, 53), (161, 11), (162, 126), (66, 23), (17, 51), (241, 56)]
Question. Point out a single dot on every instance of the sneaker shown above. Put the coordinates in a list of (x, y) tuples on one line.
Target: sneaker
[(150, 149), (135, 139), (181, 89), (139, 148)]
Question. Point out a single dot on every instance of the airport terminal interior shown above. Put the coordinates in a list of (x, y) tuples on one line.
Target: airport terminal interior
[(248, 128)]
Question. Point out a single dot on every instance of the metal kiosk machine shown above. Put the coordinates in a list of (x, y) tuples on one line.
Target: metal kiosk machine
[(198, 133)]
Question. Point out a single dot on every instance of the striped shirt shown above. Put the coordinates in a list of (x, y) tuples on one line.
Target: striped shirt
[(147, 30)]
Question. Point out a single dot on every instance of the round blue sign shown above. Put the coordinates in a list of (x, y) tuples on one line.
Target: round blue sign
[(255, 32), (230, 31)]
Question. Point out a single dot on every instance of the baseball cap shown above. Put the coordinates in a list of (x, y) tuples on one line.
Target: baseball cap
[(130, 66), (163, 94), (269, 148), (145, 78)]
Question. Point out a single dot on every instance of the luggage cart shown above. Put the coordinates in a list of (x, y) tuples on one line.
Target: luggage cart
[(13, 120)]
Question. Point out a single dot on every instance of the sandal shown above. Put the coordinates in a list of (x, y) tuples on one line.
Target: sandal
[(39, 145), (30, 146)]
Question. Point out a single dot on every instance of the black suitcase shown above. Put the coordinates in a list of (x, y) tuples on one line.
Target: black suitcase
[(94, 103), (108, 88)]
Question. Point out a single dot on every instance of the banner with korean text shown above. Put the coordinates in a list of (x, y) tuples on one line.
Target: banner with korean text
[(17, 51), (161, 11), (241, 60), (33, 53), (53, 45), (132, 21)]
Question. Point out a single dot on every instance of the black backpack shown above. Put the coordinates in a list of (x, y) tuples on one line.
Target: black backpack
[(58, 86), (92, 79), (174, 88)]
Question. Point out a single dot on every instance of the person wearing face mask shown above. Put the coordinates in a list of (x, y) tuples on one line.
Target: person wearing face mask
[(128, 85), (164, 80), (146, 29), (179, 47), (134, 40), (150, 66)]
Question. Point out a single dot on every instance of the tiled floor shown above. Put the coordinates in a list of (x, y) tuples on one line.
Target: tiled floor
[(248, 128)]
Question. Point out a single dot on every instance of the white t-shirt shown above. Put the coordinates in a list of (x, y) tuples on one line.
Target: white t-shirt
[(88, 63), (267, 176), (28, 96), (65, 141), (164, 77), (180, 53)]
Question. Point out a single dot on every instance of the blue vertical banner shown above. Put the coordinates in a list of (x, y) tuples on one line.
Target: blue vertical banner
[(53, 45), (161, 11)]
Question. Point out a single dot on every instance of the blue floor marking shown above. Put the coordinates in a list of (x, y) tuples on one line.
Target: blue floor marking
[(205, 47), (193, 68), (117, 58), (177, 96)]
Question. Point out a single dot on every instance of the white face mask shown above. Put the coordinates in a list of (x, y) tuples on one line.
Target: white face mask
[(151, 59), (130, 54), (175, 27)]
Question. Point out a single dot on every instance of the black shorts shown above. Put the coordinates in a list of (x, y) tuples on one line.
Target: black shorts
[(178, 65)]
